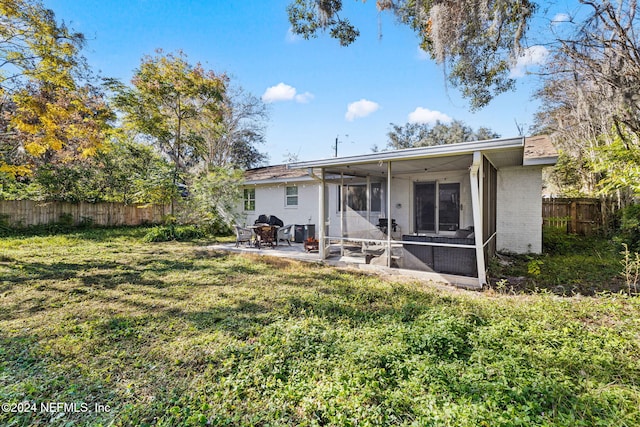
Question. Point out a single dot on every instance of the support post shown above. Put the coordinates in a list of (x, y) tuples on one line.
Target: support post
[(389, 214), (323, 219), (477, 216), (574, 217), (343, 207)]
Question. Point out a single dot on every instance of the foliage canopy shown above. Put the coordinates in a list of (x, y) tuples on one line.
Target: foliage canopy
[(476, 40), (412, 135), (48, 113), (168, 99)]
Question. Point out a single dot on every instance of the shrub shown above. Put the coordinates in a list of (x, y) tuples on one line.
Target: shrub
[(216, 227), (65, 220), (631, 269), (5, 224), (166, 233), (558, 242), (629, 231)]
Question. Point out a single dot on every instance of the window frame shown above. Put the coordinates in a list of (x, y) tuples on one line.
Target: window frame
[(369, 199), (289, 197), (248, 202), (438, 206)]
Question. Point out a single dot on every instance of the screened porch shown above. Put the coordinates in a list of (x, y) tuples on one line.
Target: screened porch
[(430, 209)]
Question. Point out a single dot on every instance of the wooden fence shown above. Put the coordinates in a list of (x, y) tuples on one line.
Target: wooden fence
[(24, 213), (579, 215)]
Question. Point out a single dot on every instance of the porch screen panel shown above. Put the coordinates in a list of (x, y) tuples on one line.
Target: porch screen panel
[(489, 205), (425, 206), (357, 197)]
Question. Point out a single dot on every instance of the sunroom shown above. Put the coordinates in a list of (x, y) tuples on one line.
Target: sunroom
[(444, 209)]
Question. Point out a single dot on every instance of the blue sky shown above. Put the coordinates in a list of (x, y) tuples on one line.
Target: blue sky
[(316, 90)]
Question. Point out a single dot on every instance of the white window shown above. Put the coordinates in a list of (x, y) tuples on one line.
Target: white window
[(249, 199), (291, 196), (357, 197)]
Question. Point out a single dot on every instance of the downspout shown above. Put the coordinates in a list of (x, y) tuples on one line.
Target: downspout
[(477, 216)]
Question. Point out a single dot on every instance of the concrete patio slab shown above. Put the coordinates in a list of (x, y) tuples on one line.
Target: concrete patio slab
[(296, 252)]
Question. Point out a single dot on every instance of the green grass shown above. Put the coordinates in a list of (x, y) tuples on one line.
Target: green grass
[(172, 334)]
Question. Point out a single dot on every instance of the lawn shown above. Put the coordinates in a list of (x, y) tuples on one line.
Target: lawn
[(130, 333)]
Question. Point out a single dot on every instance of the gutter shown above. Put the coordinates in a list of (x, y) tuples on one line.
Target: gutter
[(416, 153)]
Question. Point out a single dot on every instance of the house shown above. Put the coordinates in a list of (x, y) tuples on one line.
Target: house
[(443, 209), (289, 194)]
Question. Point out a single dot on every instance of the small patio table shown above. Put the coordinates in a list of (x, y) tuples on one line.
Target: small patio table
[(265, 234)]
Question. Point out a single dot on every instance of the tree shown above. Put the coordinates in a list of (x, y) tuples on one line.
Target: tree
[(476, 40), (33, 46), (212, 204), (591, 101), (408, 135), (234, 139), (58, 123), (413, 135), (131, 172), (169, 101), (44, 109)]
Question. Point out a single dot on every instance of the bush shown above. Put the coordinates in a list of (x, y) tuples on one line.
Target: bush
[(166, 233), (558, 242), (629, 230), (5, 224), (216, 227)]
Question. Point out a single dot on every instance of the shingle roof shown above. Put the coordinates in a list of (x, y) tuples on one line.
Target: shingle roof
[(539, 149), (277, 172)]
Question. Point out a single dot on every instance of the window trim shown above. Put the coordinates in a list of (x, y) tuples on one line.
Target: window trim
[(248, 201), (368, 197), (437, 205), (288, 197)]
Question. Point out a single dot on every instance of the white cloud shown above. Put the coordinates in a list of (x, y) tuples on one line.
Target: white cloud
[(561, 17), (426, 116), (284, 92), (360, 108), (304, 98), (534, 55), (279, 92)]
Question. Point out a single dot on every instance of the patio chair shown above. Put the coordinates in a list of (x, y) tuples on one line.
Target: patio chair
[(284, 233), (242, 235)]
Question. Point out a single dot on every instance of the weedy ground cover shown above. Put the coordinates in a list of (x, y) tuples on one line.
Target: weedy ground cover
[(171, 334), (570, 265)]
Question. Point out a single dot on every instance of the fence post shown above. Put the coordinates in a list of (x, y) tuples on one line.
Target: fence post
[(574, 217)]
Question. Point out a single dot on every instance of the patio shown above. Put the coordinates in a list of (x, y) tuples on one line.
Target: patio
[(346, 256)]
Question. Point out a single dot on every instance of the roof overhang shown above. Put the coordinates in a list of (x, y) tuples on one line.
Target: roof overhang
[(500, 152), (271, 181), (539, 151)]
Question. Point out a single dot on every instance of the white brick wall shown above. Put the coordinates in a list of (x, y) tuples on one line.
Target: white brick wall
[(519, 213)]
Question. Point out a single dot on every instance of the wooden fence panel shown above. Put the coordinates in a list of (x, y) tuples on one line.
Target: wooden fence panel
[(579, 216), (27, 212)]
